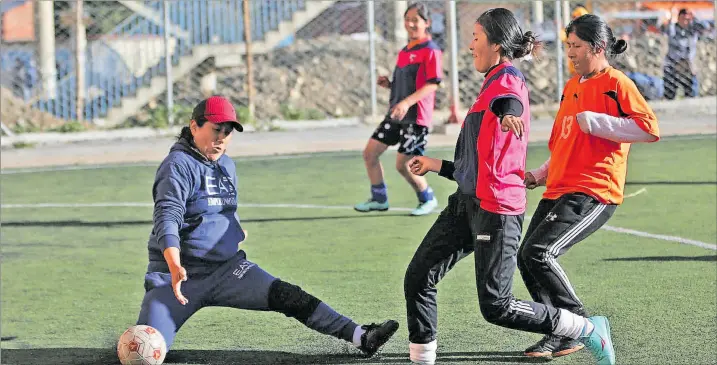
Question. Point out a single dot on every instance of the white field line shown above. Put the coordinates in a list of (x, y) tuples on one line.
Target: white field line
[(643, 190), (677, 239), (262, 158)]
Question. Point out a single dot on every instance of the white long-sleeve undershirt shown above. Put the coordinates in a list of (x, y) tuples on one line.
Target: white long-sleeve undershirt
[(621, 130), (616, 129)]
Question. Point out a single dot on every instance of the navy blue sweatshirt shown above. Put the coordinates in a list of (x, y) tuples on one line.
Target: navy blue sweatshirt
[(195, 210)]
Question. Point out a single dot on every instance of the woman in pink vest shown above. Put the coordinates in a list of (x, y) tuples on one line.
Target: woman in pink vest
[(485, 214), (416, 78)]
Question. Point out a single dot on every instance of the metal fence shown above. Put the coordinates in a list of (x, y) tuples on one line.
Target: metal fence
[(148, 62)]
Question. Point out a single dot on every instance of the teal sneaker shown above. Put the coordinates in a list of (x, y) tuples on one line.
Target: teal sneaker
[(370, 205), (425, 208), (599, 341)]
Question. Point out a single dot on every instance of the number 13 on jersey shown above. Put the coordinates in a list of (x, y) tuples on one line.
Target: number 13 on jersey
[(567, 126)]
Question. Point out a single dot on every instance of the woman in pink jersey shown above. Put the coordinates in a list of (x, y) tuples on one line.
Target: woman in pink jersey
[(413, 91), (485, 214)]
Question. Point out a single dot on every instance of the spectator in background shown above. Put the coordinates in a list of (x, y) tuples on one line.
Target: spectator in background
[(710, 31), (17, 79), (24, 77), (680, 62), (438, 30)]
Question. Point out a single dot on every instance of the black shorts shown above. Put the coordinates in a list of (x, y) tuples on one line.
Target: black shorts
[(411, 138)]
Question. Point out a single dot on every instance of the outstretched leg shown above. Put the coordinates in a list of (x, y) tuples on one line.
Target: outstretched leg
[(243, 284)]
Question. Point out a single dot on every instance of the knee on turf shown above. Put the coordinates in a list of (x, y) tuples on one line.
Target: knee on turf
[(292, 301)]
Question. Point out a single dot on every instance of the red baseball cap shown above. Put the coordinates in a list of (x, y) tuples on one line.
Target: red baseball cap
[(217, 110)]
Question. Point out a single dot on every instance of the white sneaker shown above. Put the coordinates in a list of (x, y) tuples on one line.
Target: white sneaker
[(426, 207), (424, 354)]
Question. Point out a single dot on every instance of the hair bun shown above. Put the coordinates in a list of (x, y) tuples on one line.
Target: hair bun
[(619, 46), (527, 43), (528, 37)]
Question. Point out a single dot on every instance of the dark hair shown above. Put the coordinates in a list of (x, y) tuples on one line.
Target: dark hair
[(423, 12), (502, 28), (683, 11), (186, 132), (592, 29)]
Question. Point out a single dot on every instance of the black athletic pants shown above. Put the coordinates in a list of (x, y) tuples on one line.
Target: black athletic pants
[(556, 226), (461, 229)]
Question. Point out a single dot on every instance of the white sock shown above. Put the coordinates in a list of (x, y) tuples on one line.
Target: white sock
[(424, 354), (572, 325), (588, 329), (358, 332)]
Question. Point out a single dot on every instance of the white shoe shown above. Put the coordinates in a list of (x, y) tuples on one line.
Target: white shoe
[(425, 208), (424, 354)]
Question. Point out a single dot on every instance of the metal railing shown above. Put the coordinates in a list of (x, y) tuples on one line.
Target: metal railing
[(315, 59)]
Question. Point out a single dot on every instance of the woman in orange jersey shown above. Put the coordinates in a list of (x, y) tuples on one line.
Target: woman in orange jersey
[(601, 113)]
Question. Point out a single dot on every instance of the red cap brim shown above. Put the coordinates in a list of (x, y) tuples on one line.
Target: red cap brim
[(218, 119)]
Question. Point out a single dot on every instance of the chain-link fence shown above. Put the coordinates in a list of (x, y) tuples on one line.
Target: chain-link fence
[(671, 50), (148, 62), (308, 61)]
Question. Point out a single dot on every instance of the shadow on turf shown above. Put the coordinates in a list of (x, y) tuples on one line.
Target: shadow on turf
[(666, 258), (84, 356), (78, 223)]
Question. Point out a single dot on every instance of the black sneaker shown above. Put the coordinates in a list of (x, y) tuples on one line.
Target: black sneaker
[(554, 346), (567, 346), (376, 335)]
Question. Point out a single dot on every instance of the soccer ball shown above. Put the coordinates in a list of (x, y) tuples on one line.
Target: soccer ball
[(141, 345)]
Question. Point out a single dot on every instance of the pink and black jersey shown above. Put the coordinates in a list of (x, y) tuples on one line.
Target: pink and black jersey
[(488, 162), (415, 67)]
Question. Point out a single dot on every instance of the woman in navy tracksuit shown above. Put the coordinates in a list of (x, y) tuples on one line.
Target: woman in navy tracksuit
[(194, 260)]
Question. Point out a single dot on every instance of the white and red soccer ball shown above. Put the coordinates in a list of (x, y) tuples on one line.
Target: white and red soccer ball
[(141, 345)]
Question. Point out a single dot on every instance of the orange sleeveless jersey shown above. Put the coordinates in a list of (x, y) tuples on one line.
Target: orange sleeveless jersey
[(582, 163)]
